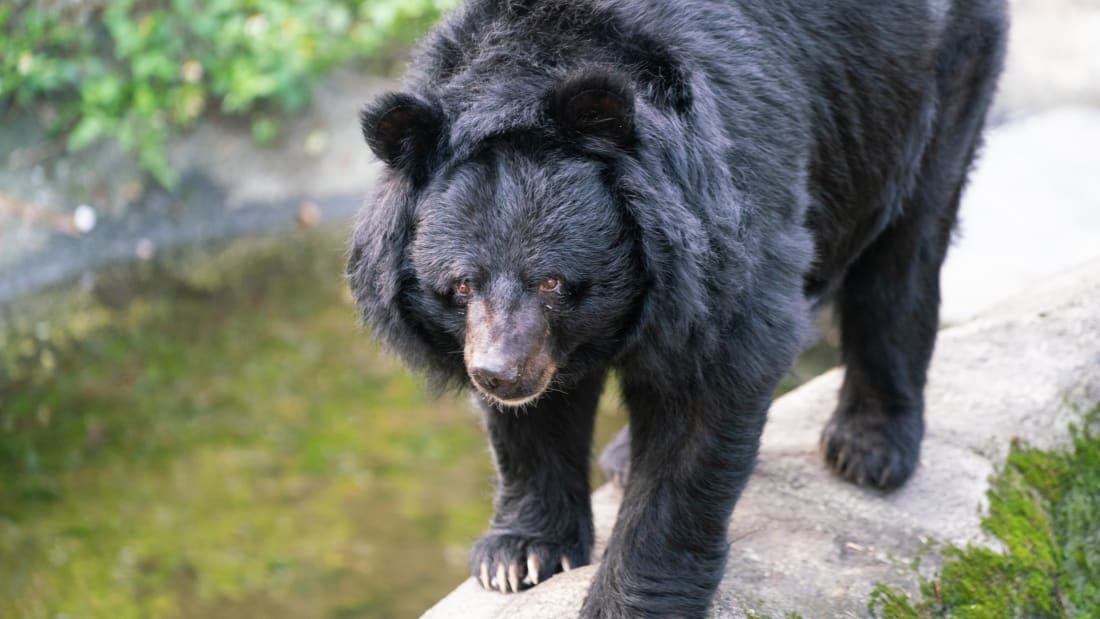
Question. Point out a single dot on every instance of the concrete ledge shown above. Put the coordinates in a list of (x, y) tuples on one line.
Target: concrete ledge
[(804, 541)]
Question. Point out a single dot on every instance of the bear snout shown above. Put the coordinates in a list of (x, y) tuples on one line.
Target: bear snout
[(494, 374), (506, 354), (509, 379)]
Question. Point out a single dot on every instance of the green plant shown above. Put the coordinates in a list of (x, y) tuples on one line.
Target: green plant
[(137, 71), (1045, 509)]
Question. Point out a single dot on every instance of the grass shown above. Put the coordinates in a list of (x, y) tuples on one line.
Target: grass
[(1045, 509)]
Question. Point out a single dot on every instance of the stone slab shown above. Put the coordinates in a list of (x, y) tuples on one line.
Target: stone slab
[(1031, 209), (804, 541)]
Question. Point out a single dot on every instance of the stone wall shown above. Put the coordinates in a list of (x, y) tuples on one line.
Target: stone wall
[(804, 541)]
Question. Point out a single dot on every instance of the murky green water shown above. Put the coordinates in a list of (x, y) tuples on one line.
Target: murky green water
[(227, 443), (213, 436)]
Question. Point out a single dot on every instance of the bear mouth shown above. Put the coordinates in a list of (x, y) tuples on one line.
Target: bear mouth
[(518, 393)]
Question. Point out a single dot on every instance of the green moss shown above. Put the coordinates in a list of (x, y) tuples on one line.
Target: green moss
[(1045, 509)]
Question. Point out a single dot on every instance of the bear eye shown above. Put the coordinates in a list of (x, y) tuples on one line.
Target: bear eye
[(462, 291), (550, 284)]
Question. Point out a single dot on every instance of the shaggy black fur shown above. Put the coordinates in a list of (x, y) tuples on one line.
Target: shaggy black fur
[(667, 189)]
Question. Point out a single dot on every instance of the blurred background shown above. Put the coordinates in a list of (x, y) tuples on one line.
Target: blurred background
[(192, 424)]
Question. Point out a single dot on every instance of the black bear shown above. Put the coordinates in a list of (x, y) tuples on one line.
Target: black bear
[(667, 189)]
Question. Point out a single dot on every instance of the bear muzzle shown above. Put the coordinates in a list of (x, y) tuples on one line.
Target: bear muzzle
[(506, 354)]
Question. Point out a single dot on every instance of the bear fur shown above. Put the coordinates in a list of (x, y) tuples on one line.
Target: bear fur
[(668, 190)]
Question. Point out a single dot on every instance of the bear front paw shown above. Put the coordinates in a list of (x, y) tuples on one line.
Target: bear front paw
[(510, 563), (873, 449)]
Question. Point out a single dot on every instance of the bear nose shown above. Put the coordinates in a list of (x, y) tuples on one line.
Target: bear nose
[(495, 377)]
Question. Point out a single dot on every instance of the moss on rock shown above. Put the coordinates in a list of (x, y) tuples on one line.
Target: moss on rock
[(1044, 507)]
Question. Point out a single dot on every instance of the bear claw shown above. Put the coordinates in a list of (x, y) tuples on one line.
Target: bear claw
[(510, 563), (484, 576), (533, 569)]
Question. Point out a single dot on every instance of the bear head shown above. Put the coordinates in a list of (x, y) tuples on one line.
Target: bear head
[(514, 264)]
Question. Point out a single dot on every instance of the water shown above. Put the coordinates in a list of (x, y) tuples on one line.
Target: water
[(223, 441), (211, 435)]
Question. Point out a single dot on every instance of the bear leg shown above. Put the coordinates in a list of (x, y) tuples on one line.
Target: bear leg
[(889, 301), (542, 523), (688, 458)]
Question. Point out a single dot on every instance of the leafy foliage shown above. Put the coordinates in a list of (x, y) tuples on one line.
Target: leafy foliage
[(136, 70)]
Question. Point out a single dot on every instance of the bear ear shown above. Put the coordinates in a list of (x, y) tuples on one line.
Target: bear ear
[(402, 130), (599, 105)]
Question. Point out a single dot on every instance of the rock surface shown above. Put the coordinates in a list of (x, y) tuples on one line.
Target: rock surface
[(1052, 59), (804, 541), (1032, 208)]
